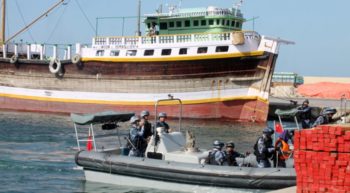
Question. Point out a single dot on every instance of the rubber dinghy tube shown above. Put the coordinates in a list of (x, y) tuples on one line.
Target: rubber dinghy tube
[(55, 65)]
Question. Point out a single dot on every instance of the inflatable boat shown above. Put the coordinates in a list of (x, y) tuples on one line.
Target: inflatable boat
[(170, 163)]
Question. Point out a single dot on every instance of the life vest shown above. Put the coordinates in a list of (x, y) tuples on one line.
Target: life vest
[(284, 149)]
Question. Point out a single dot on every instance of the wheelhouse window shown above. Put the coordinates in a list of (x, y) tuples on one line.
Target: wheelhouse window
[(203, 22), (202, 50), (163, 25), (227, 22), (238, 24), (183, 51), (100, 52), (222, 22), (171, 24), (114, 53), (195, 23), (233, 23), (221, 49), (166, 52), (131, 53), (211, 22), (149, 52), (218, 22), (187, 23), (179, 24)]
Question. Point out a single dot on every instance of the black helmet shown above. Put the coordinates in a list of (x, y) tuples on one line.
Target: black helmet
[(230, 144), (162, 114), (218, 144), (306, 101), (268, 130), (329, 110)]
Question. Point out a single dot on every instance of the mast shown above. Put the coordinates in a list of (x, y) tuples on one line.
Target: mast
[(138, 33), (34, 21), (3, 20)]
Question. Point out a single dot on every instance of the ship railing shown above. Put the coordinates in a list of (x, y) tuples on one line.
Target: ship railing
[(220, 12), (165, 39), (34, 51)]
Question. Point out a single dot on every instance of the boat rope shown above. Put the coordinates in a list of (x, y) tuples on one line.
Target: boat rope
[(24, 22), (58, 21), (86, 17)]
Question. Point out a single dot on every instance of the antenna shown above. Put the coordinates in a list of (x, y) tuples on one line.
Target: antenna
[(237, 6), (180, 4)]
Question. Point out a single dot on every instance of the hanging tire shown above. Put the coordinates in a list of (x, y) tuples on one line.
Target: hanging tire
[(55, 65), (14, 59), (77, 61), (60, 73)]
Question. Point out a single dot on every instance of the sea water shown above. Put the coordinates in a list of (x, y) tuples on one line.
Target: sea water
[(37, 151)]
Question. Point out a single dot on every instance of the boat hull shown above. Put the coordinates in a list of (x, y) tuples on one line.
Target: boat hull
[(186, 173), (234, 88)]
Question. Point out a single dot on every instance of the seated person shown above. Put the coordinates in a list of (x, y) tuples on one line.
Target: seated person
[(325, 116), (161, 123), (282, 149), (231, 154), (216, 156)]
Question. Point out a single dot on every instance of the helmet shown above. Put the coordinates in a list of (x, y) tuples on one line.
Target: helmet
[(306, 101), (329, 110), (230, 144), (144, 113), (133, 119), (218, 144), (162, 114), (268, 130)]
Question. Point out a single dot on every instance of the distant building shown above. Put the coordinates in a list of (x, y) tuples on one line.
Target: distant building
[(287, 79)]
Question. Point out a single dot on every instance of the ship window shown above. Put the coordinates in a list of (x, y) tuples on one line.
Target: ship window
[(238, 25), (163, 25), (115, 53), (171, 24), (202, 50), (166, 52), (179, 24), (149, 52), (131, 53), (221, 49), (100, 52), (195, 23), (183, 51), (233, 23), (211, 22), (203, 22), (222, 22), (218, 22), (148, 25), (187, 23), (227, 22)]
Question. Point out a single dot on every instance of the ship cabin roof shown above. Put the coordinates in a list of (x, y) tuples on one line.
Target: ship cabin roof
[(194, 20)]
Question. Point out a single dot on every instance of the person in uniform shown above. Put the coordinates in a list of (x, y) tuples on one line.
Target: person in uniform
[(264, 149), (231, 154), (161, 122), (136, 137), (325, 117), (282, 149), (304, 112), (146, 124), (216, 156)]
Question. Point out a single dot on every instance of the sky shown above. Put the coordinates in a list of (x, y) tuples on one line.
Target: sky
[(320, 28)]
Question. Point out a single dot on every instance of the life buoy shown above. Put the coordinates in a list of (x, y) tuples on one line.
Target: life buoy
[(14, 59), (284, 149), (238, 38), (55, 65)]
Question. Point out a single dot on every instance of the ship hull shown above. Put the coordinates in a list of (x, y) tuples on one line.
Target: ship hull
[(235, 88)]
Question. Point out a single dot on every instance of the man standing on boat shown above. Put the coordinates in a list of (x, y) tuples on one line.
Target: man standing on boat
[(304, 112), (231, 154), (147, 126), (264, 149), (216, 156), (136, 137), (161, 123)]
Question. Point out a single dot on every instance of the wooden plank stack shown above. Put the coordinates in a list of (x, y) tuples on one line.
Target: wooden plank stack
[(322, 159)]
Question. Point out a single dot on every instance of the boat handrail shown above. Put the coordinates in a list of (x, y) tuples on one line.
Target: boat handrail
[(170, 99), (166, 39), (220, 12)]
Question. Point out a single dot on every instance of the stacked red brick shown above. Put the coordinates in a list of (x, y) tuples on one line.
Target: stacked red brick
[(322, 159)]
